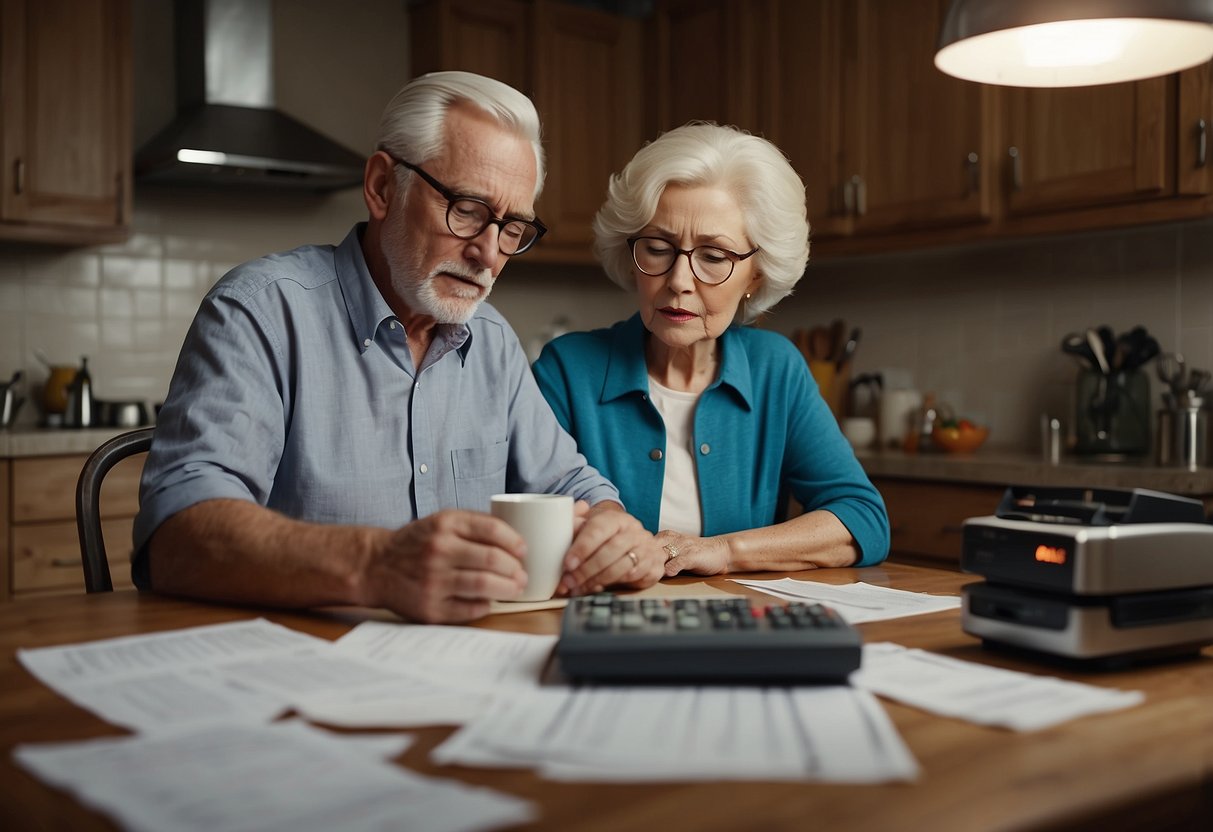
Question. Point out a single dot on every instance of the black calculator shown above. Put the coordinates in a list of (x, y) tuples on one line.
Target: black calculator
[(605, 638)]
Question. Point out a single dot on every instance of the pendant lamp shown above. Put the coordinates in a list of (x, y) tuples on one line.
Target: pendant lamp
[(1071, 43)]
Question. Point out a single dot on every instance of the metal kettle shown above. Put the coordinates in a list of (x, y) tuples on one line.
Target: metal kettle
[(81, 406), (10, 404)]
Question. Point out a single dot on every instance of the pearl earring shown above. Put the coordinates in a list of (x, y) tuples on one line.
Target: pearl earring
[(747, 295)]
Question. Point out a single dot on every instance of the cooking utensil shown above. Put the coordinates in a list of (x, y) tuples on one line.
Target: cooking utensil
[(838, 339), (1096, 343), (850, 346), (821, 346), (10, 405), (122, 414), (1075, 344), (1172, 371)]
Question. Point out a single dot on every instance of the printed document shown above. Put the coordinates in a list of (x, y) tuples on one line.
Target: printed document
[(979, 693), (856, 602), (826, 734), (288, 775)]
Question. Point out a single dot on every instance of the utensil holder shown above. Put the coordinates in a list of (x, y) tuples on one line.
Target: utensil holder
[(1112, 413)]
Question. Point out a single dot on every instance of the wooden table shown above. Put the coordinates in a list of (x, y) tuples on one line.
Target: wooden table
[(1148, 767)]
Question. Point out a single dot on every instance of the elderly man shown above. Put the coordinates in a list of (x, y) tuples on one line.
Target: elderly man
[(339, 416)]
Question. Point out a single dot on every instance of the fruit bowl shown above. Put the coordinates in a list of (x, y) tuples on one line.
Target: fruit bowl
[(961, 438)]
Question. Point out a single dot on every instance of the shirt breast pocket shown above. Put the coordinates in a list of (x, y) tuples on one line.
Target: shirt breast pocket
[(479, 474)]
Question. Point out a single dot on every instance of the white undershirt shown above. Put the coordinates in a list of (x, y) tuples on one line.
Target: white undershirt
[(680, 509)]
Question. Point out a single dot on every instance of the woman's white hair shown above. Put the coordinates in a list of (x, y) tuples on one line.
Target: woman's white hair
[(412, 124), (770, 194)]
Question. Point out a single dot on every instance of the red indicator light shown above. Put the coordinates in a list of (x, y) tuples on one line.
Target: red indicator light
[(1050, 554)]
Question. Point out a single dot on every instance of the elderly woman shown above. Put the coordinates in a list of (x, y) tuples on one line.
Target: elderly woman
[(704, 425)]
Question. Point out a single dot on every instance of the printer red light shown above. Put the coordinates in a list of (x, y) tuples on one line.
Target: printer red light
[(1050, 554)]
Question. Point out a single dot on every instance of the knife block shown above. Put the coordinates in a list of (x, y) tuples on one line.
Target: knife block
[(833, 382)]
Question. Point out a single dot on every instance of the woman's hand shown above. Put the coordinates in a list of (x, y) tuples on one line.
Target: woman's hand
[(698, 555)]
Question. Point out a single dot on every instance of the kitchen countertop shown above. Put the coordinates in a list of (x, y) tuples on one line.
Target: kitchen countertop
[(987, 466), (993, 467), (53, 441)]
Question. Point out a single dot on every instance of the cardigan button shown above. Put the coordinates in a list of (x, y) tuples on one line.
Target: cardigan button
[(655, 454), (705, 449)]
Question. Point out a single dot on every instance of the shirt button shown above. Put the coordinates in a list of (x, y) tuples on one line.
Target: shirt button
[(366, 342), (705, 449), (655, 454), (424, 468)]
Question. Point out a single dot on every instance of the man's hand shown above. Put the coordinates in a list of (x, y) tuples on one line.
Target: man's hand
[(446, 567), (610, 548)]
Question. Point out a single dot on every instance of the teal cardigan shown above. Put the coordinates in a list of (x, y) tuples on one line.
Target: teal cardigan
[(762, 432)]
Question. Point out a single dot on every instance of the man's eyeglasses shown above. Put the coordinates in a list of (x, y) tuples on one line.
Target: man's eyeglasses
[(467, 217), (709, 264)]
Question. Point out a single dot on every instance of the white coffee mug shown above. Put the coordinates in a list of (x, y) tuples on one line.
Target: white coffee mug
[(545, 522)]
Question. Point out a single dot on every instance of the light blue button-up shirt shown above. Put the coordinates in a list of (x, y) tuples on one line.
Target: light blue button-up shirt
[(295, 389)]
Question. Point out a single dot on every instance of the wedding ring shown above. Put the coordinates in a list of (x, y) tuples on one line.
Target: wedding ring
[(671, 550), (635, 560)]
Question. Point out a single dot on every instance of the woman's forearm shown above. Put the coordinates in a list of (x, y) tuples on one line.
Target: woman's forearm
[(815, 539)]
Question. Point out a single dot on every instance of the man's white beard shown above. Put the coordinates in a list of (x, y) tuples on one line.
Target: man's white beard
[(420, 291)]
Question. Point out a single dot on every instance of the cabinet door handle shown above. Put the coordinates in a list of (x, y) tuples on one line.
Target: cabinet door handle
[(974, 173), (1202, 142), (1016, 168), (65, 563), (861, 195), (19, 176), (848, 196)]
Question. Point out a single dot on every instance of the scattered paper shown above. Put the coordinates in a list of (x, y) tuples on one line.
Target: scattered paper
[(452, 674), (261, 777), (618, 734), (857, 602), (167, 679), (979, 693)]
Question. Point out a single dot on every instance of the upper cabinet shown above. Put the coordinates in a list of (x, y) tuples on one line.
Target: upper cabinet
[(894, 153), (65, 139), (912, 137), (1086, 146), (581, 67), (1194, 132)]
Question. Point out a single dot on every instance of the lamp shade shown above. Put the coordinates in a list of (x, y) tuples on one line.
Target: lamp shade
[(1071, 43)]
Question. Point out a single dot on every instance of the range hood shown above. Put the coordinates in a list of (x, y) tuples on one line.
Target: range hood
[(227, 130)]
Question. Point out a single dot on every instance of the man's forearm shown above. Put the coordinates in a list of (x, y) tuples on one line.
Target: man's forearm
[(230, 550)]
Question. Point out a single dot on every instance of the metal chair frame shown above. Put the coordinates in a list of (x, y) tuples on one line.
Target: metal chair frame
[(88, 503)]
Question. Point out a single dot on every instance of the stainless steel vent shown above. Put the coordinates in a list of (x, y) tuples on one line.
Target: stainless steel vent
[(227, 130)]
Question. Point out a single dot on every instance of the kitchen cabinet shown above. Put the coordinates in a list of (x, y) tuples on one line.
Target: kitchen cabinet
[(912, 137), (1194, 124), (65, 138), (1085, 146), (895, 154), (38, 534), (711, 62), (926, 517), (849, 91), (581, 67)]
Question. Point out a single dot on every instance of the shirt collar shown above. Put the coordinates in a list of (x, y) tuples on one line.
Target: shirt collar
[(626, 371), (365, 305)]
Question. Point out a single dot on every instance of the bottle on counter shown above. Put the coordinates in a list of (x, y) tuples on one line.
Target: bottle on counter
[(81, 407)]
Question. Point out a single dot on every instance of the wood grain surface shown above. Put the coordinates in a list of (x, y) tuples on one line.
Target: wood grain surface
[(1148, 767)]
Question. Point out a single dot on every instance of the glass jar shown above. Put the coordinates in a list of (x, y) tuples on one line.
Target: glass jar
[(1112, 413)]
